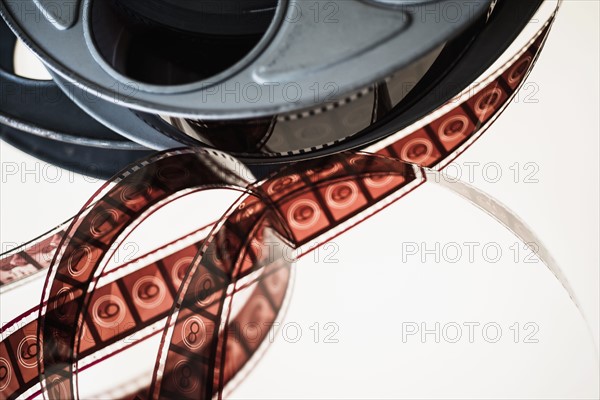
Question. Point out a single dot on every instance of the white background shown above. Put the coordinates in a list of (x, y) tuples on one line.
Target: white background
[(370, 292)]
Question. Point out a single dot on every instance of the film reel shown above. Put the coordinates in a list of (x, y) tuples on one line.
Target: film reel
[(351, 97), (313, 199), (38, 118)]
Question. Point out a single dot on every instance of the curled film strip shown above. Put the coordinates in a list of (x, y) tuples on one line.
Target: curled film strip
[(306, 201), (153, 279)]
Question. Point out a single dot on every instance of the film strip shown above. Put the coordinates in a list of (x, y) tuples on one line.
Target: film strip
[(154, 284), (30, 259), (307, 201)]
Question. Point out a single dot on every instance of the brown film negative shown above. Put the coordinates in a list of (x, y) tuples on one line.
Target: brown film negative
[(118, 314), (21, 263)]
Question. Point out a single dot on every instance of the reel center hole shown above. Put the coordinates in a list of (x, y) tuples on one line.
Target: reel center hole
[(175, 42)]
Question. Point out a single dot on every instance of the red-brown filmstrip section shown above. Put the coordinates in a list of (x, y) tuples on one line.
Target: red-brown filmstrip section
[(30, 259), (152, 285), (307, 201)]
